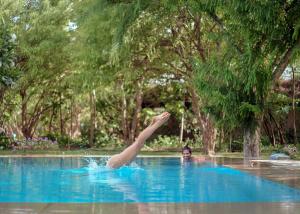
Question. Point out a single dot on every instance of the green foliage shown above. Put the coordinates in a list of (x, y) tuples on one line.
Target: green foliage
[(8, 72), (265, 141), (5, 142), (119, 43), (65, 142), (289, 149), (236, 146), (236, 83), (164, 142), (102, 137), (249, 111), (35, 144)]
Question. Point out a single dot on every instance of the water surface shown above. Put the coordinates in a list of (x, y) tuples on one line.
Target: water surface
[(163, 180)]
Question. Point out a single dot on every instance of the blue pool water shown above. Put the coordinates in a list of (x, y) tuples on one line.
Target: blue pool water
[(67, 180)]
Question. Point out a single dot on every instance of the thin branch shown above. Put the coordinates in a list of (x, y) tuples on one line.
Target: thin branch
[(221, 25), (279, 69)]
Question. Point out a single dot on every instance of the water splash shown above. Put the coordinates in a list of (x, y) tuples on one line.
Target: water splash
[(94, 164)]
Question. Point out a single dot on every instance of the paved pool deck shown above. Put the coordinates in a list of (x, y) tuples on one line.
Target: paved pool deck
[(155, 208), (282, 171), (287, 173)]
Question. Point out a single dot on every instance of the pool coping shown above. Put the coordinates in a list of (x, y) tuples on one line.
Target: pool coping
[(277, 161), (148, 208), (30, 155)]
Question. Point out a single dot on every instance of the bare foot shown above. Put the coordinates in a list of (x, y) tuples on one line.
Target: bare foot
[(160, 119)]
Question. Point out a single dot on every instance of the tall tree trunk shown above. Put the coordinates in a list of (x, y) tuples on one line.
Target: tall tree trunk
[(181, 128), (252, 137), (77, 116), (209, 134), (278, 127), (61, 116), (269, 130), (205, 124), (137, 112), (221, 140), (25, 131), (294, 109), (71, 112), (29, 121), (51, 119), (92, 118), (1, 104), (124, 115), (230, 141)]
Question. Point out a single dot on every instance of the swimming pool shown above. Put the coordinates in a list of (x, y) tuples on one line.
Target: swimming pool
[(158, 180)]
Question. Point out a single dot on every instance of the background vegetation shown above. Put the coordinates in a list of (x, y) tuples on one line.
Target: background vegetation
[(91, 74)]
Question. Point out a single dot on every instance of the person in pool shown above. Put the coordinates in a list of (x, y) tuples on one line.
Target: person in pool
[(126, 156), (187, 155)]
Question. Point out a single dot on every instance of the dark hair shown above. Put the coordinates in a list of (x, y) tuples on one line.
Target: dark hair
[(186, 147)]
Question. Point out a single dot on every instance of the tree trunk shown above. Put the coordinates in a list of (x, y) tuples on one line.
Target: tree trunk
[(77, 119), (221, 140), (51, 120), (209, 134), (1, 104), (71, 115), (24, 128), (61, 117), (29, 121), (124, 116), (294, 109), (181, 128), (230, 141), (137, 112), (92, 118), (278, 127), (252, 137), (205, 124), (269, 131)]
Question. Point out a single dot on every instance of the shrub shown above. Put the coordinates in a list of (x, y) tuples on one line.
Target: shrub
[(163, 142), (236, 146), (104, 140), (35, 144), (65, 141), (290, 150), (5, 142)]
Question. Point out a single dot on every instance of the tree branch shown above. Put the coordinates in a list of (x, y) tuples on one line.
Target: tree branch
[(221, 25), (279, 69)]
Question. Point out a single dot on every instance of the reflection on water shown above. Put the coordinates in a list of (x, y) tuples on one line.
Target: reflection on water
[(121, 180), (65, 180)]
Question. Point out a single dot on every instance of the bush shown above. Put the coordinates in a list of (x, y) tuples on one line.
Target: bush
[(165, 142), (51, 136), (104, 140), (236, 146), (35, 144), (65, 141), (102, 137), (265, 141), (290, 150), (5, 142)]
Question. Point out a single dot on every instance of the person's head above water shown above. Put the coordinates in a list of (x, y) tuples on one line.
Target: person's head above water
[(186, 152)]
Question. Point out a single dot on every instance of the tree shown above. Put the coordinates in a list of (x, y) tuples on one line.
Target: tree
[(8, 71), (42, 38), (251, 61)]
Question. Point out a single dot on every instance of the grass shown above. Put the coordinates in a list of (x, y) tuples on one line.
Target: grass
[(84, 152), (96, 152)]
